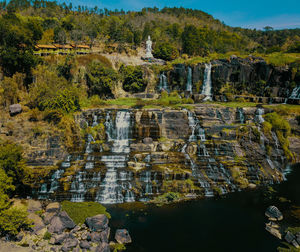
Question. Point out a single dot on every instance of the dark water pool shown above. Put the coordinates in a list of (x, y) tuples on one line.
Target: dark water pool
[(233, 223)]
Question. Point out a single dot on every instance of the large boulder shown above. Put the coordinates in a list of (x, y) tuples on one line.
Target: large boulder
[(122, 236), (59, 239), (94, 237), (37, 222), (53, 207), (85, 245), (34, 206), (69, 244), (15, 109), (273, 213), (47, 217), (105, 235), (61, 222), (97, 223)]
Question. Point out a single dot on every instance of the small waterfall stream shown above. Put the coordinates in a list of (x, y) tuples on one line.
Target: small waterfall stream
[(295, 93), (163, 83), (207, 85), (189, 84)]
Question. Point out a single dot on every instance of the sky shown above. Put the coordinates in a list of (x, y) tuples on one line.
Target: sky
[(243, 13)]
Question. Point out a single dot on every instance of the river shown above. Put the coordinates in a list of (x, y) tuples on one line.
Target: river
[(234, 222)]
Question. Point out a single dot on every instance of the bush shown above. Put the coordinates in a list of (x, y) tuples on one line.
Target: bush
[(12, 220), (100, 79), (165, 51), (278, 123), (133, 80), (47, 236), (78, 212)]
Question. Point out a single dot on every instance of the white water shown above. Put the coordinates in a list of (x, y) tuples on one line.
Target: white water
[(189, 84), (207, 85), (110, 191), (295, 93), (163, 83), (241, 115), (259, 115)]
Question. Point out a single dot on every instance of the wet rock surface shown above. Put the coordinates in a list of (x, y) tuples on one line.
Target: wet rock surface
[(122, 236)]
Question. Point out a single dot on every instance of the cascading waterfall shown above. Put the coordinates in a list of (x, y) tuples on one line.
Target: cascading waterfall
[(259, 115), (189, 84), (295, 93), (163, 83), (110, 191), (207, 85), (241, 115)]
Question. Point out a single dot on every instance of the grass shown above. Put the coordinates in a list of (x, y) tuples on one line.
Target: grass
[(234, 104), (78, 212), (285, 109)]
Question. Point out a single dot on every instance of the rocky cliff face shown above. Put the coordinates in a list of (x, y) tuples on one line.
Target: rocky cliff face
[(250, 76), (135, 155)]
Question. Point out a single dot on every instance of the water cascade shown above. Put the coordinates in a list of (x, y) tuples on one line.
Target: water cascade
[(189, 84), (163, 83), (207, 86), (259, 115), (295, 93), (241, 115), (110, 191)]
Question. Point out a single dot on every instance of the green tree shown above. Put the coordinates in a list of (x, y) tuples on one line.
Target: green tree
[(133, 80), (165, 51), (100, 79)]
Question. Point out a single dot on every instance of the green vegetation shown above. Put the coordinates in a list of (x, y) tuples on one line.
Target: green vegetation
[(80, 211), (118, 247), (133, 79), (166, 198), (47, 236), (165, 51)]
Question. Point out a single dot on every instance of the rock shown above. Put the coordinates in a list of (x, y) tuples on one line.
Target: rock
[(47, 217), (103, 247), (76, 229), (61, 222), (53, 207), (273, 231), (85, 245), (105, 235), (122, 236), (69, 244), (252, 186), (94, 237), (147, 140), (37, 222), (15, 109), (289, 237), (59, 239), (298, 238), (273, 213), (34, 206), (97, 223)]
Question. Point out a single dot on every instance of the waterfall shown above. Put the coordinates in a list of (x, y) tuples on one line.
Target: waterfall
[(207, 86), (259, 115), (89, 147), (192, 125), (163, 83), (295, 93), (110, 191), (241, 115), (189, 84)]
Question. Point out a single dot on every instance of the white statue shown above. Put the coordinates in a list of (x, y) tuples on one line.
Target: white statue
[(149, 48)]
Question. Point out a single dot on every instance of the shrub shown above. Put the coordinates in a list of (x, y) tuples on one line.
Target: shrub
[(47, 236), (278, 123), (100, 79), (12, 220), (133, 80), (78, 212), (165, 51)]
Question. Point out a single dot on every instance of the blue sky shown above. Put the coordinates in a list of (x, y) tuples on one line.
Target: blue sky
[(244, 13)]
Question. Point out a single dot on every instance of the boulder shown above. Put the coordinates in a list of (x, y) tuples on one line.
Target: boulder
[(105, 235), (94, 237), (147, 140), (47, 217), (97, 223), (289, 237), (59, 239), (69, 244), (273, 231), (15, 109), (122, 236), (34, 206), (53, 207), (37, 222), (61, 222), (273, 213), (103, 247), (85, 245)]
